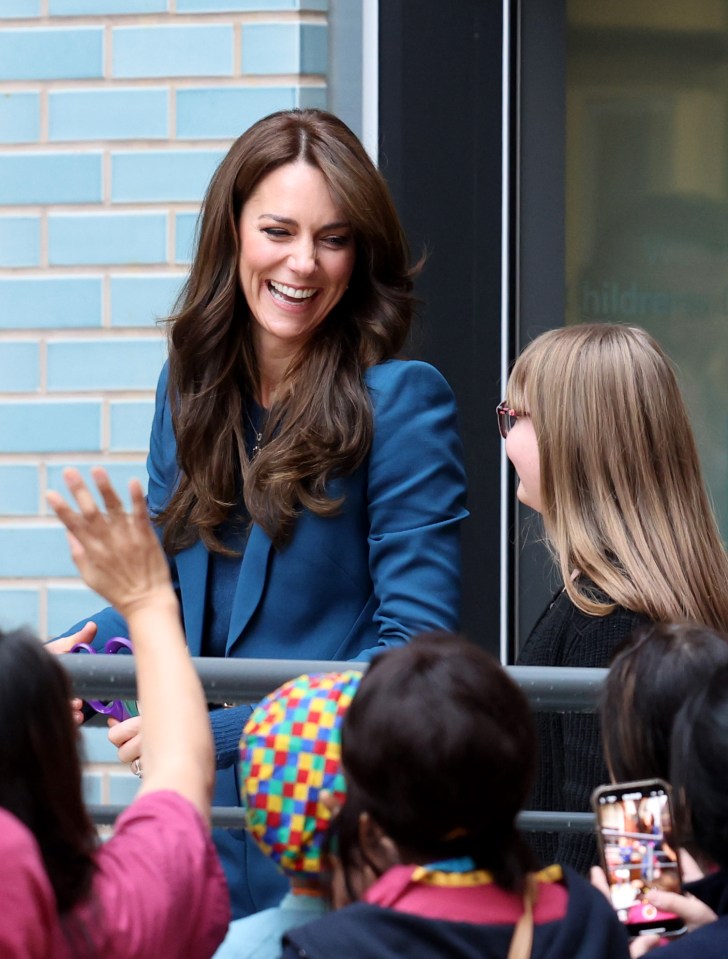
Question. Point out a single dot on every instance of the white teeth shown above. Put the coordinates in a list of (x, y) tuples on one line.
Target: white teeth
[(290, 291)]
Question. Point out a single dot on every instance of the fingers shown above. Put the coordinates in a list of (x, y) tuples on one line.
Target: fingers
[(82, 495), (127, 738), (108, 494), (84, 635), (642, 945), (77, 711), (691, 910), (138, 503)]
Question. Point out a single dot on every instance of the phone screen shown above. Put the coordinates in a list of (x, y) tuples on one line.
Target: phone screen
[(639, 852)]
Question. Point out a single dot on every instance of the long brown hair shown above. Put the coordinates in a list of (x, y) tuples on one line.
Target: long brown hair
[(320, 423), (622, 492), (40, 771)]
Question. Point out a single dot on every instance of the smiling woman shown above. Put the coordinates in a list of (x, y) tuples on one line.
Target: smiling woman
[(307, 485), (295, 264)]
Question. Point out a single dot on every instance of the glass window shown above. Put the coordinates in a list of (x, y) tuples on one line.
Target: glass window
[(647, 191)]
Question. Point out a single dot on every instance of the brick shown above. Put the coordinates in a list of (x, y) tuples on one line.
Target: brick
[(114, 114), (92, 787), (55, 54), (184, 245), (143, 300), (19, 490), (284, 48), (172, 175), (50, 427), (19, 241), (50, 177), (123, 787), (19, 367), (208, 112), (69, 604), (96, 8), (173, 51), (35, 551), (315, 97), (96, 745), (50, 302), (19, 8), (109, 364), (131, 424), (94, 238), (19, 117), (120, 474), (19, 608), (243, 6)]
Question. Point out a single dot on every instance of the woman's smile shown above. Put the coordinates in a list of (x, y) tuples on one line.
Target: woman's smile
[(297, 254)]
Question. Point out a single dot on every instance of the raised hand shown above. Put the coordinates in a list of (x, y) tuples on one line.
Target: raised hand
[(116, 553)]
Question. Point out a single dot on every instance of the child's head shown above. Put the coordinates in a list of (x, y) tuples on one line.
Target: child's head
[(438, 750), (289, 754), (652, 673), (40, 770), (620, 484), (699, 768)]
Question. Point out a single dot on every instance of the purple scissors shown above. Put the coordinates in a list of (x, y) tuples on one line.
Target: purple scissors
[(117, 709)]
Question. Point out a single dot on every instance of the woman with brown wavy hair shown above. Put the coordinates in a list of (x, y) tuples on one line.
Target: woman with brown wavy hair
[(598, 432), (308, 487)]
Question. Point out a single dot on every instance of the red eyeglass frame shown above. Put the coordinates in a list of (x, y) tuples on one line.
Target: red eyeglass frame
[(506, 417)]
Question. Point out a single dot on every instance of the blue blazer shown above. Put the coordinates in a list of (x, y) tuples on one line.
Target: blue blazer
[(385, 568)]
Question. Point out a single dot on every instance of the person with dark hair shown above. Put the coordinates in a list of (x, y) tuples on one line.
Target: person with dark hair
[(156, 887), (438, 750), (652, 673), (308, 486), (699, 774)]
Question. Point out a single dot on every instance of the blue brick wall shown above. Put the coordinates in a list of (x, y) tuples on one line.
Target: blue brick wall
[(113, 116)]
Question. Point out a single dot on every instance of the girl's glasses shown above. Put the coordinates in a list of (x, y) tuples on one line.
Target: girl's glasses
[(506, 418)]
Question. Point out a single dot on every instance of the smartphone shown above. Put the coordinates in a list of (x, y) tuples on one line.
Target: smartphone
[(638, 849)]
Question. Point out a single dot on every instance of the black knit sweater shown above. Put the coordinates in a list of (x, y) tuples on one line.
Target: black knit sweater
[(571, 761)]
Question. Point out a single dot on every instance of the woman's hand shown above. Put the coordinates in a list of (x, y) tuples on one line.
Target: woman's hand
[(85, 634), (127, 737), (117, 554)]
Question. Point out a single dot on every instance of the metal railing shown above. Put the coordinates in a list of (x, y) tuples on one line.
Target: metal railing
[(551, 689)]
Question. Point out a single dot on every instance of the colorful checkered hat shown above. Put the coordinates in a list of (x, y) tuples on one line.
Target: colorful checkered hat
[(290, 751)]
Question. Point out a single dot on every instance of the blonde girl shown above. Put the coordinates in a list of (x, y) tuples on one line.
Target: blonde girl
[(599, 435)]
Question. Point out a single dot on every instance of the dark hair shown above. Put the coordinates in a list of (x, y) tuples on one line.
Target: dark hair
[(699, 770), (438, 746), (651, 674), (40, 770), (321, 420)]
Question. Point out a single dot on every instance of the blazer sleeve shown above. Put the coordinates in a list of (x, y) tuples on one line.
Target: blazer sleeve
[(416, 495)]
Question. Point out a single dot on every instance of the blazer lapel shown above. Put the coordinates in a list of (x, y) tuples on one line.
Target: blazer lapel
[(192, 564), (253, 574)]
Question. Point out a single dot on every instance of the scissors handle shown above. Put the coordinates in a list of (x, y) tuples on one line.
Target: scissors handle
[(117, 708)]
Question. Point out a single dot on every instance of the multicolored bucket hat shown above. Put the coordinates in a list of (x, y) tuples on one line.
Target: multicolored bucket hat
[(289, 753)]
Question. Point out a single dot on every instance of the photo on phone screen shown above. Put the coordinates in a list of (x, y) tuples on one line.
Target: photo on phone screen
[(639, 852)]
